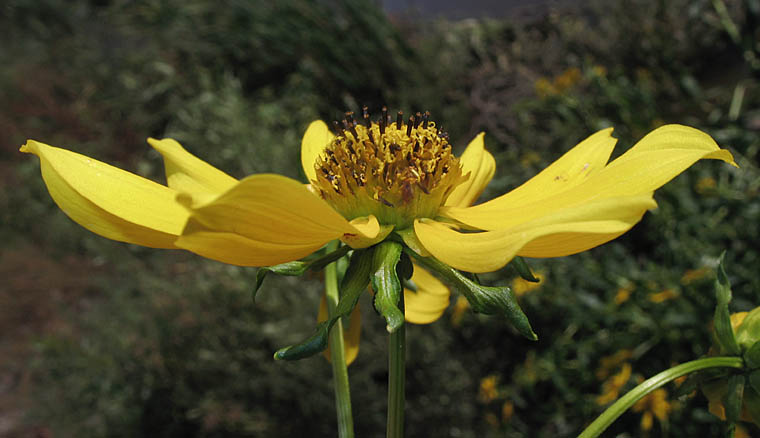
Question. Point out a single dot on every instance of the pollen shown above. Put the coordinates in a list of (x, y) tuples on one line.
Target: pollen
[(395, 170)]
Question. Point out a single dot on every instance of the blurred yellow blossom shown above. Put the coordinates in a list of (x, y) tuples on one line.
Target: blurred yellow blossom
[(653, 405), (544, 87), (507, 410), (599, 70), (659, 297), (705, 185), (623, 293), (609, 363), (612, 386), (567, 79), (488, 391), (693, 275), (520, 286), (459, 308)]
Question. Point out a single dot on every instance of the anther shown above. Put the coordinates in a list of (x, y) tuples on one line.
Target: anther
[(410, 126), (336, 128), (425, 119), (399, 119), (365, 115)]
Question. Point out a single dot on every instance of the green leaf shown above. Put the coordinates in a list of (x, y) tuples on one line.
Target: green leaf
[(732, 401), (752, 401), (724, 334), (483, 299), (386, 284), (297, 268), (752, 356), (354, 283), (522, 268), (754, 380)]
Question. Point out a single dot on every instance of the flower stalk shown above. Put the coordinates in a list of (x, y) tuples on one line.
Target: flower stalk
[(624, 403), (396, 383), (337, 352)]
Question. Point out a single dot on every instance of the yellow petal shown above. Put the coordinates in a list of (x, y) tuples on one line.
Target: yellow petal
[(235, 249), (479, 163), (562, 233), (351, 334), (314, 141), (655, 160), (273, 208), (109, 201), (370, 232), (187, 173), (429, 302)]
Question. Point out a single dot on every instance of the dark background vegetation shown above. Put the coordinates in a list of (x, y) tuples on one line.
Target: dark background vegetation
[(103, 339)]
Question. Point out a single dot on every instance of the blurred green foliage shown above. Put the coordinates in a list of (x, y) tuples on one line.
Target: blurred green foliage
[(162, 343)]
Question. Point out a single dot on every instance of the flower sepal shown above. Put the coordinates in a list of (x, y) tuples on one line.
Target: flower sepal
[(386, 283), (488, 300), (298, 267), (724, 335), (522, 268), (354, 282)]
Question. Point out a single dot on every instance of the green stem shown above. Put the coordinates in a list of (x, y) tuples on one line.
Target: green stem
[(338, 352), (613, 412), (396, 382)]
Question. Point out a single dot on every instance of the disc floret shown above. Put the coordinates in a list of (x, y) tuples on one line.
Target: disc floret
[(396, 171)]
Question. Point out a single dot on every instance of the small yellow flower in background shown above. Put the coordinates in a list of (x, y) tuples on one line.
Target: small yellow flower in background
[(507, 410), (609, 363), (599, 70), (544, 88), (741, 432), (567, 79), (488, 390), (653, 405), (460, 307), (705, 185), (521, 286), (623, 294), (694, 275), (612, 386), (665, 295)]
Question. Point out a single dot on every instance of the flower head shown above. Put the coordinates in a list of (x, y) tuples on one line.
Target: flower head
[(379, 180)]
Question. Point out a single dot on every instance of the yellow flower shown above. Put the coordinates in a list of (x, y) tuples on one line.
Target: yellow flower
[(623, 294), (521, 286), (609, 363), (507, 410), (653, 405), (694, 275), (368, 180), (488, 391), (611, 388), (459, 308), (665, 295)]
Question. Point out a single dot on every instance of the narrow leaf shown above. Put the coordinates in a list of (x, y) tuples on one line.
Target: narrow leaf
[(354, 283), (483, 299), (522, 268), (724, 333), (733, 398), (297, 268)]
